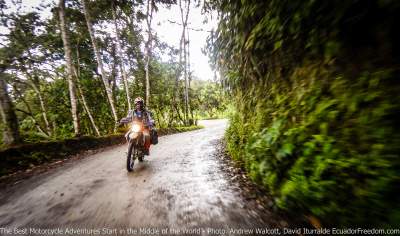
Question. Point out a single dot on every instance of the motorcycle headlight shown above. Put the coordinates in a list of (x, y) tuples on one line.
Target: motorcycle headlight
[(135, 128)]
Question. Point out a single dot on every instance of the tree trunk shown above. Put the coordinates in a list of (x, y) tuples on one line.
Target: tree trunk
[(112, 79), (83, 98), (120, 57), (11, 127), (70, 70), (175, 103), (34, 84), (186, 83), (86, 107), (182, 46), (100, 62), (191, 121), (184, 18), (148, 48)]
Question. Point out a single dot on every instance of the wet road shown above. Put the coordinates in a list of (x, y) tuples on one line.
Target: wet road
[(180, 186)]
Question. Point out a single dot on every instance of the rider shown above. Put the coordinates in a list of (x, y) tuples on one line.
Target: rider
[(143, 114)]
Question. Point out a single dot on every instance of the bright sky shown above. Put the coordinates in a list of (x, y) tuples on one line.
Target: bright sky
[(169, 32)]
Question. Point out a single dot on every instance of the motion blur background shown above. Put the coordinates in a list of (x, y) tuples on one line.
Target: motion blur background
[(316, 90)]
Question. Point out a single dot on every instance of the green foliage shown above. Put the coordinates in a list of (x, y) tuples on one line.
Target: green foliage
[(188, 128), (209, 100), (34, 57), (316, 97)]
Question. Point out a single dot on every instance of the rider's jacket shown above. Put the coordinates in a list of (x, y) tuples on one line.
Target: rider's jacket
[(144, 116)]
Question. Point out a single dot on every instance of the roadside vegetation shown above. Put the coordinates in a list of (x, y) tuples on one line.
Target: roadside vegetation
[(315, 87)]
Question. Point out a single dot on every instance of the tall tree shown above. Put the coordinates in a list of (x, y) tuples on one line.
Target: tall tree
[(34, 82), (11, 127), (70, 69), (100, 62), (148, 47), (77, 72), (184, 18), (120, 57), (191, 120)]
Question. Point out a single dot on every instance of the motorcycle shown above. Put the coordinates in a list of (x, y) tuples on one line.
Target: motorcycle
[(136, 142)]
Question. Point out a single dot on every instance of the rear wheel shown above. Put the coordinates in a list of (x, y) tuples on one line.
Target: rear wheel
[(130, 158)]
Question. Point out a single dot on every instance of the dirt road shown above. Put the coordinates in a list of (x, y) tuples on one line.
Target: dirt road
[(180, 186)]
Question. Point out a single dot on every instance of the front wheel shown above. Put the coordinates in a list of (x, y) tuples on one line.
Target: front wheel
[(130, 158)]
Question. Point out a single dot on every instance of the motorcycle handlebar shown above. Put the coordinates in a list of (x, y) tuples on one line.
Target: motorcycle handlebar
[(124, 121)]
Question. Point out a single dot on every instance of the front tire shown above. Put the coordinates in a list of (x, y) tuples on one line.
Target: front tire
[(130, 158)]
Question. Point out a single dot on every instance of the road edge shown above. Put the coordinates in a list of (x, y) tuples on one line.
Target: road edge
[(21, 174)]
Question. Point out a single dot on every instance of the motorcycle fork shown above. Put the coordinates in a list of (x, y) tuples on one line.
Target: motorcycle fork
[(138, 142)]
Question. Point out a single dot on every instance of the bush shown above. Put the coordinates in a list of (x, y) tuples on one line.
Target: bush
[(317, 104)]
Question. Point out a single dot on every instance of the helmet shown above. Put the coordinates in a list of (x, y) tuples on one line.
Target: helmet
[(139, 100)]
